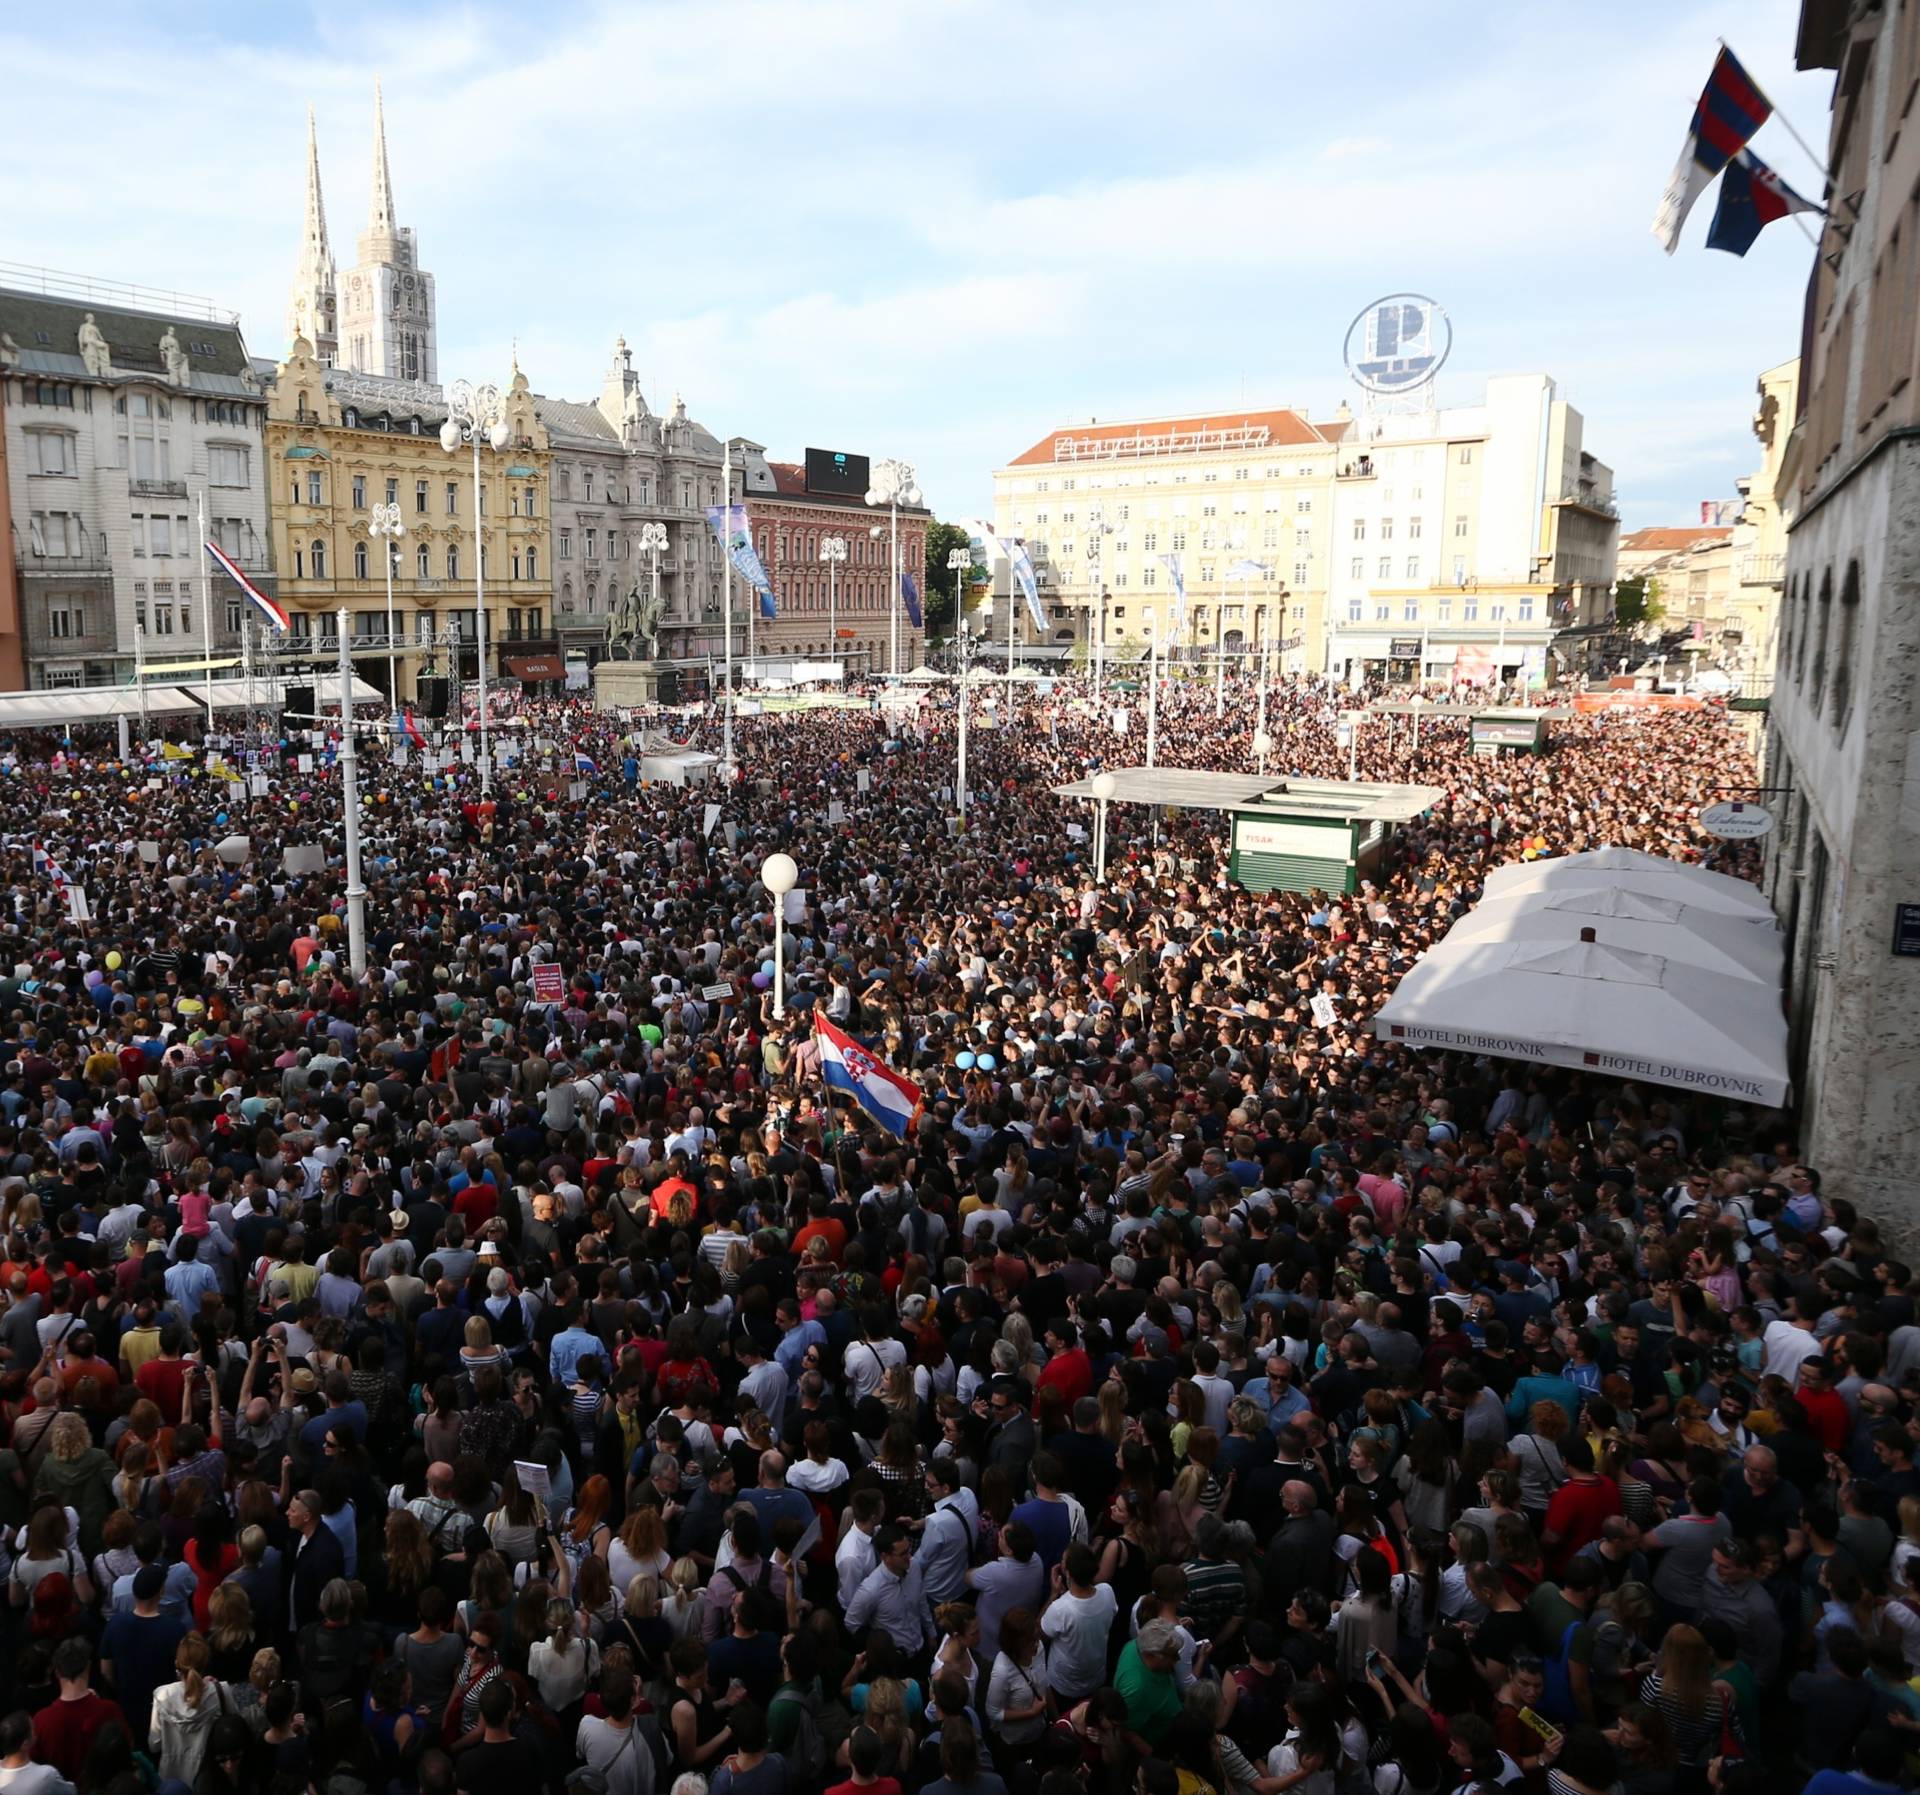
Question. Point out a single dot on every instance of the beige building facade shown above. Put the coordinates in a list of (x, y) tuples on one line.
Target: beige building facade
[(1759, 541)]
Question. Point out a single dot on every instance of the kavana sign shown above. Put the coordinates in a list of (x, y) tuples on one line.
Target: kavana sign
[(1732, 821)]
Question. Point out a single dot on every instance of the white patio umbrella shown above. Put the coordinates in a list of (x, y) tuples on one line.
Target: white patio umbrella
[(1650, 875), (1709, 940), (1596, 1007)]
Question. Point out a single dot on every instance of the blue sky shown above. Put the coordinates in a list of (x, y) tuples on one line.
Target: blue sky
[(939, 230)]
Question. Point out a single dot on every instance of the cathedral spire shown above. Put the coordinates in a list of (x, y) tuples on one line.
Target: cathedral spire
[(380, 219), (311, 311)]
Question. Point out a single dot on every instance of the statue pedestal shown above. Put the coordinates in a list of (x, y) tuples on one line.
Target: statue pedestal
[(623, 684)]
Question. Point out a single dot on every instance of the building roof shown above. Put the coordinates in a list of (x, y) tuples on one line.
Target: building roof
[(790, 484), (1187, 788), (1665, 540), (1140, 438), (40, 323), (575, 422)]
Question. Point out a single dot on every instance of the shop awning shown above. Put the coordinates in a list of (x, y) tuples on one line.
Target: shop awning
[(535, 667)]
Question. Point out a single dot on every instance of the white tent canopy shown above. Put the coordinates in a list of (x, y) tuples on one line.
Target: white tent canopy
[(1707, 940), (1627, 869), (1596, 1007), (924, 676)]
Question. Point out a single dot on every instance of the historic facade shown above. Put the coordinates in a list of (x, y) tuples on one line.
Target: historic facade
[(618, 468), (339, 442), (122, 420), (378, 318), (840, 613), (1844, 860)]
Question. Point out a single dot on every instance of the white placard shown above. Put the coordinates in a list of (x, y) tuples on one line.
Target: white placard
[(1122, 720), (466, 754), (709, 816), (534, 1479), (863, 781), (77, 906), (1324, 1014), (577, 791), (304, 762), (150, 852), (303, 858), (794, 905), (257, 785), (836, 811)]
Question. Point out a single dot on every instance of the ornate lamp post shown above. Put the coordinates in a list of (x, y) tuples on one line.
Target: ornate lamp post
[(386, 528), (893, 487), (653, 542), (475, 413), (833, 555)]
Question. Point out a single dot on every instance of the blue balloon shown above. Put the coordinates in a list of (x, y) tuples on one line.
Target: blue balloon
[(221, 817), (964, 1061), (986, 1062), (766, 966)]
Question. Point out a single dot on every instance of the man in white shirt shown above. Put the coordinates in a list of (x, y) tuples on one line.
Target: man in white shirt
[(855, 1557), (869, 1359), (1076, 1624)]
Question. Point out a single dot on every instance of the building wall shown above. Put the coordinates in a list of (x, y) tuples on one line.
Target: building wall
[(109, 463), (787, 533), (330, 462), (13, 655), (1846, 698), (1760, 537)]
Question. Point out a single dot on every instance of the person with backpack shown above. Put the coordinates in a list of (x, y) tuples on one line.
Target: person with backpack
[(751, 1768), (793, 1716), (615, 1758)]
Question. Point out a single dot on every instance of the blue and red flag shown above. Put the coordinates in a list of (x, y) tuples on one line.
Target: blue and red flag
[(1752, 196), (1731, 108), (271, 611), (911, 593), (412, 729)]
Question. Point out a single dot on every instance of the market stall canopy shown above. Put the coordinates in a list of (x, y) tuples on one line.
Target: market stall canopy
[(1628, 869), (1596, 1007), (1707, 940)]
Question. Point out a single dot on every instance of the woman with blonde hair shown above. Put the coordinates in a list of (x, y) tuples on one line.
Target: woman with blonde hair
[(886, 1713), (184, 1713), (1112, 1397), (681, 1607), (564, 1663), (478, 1350), (230, 1641), (1682, 1690), (79, 1476), (1907, 1545)]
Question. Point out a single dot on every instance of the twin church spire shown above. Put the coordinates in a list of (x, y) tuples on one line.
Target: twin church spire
[(379, 317)]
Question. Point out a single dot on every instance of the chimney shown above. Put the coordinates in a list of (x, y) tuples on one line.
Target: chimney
[(1588, 935)]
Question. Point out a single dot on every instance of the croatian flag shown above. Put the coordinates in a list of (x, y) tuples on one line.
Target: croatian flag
[(412, 729), (271, 611), (1752, 196), (894, 1102), (45, 864), (911, 593), (1730, 109), (582, 764)]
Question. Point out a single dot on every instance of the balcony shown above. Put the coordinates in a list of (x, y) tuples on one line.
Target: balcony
[(1360, 469), (1763, 570), (157, 489), (88, 561)]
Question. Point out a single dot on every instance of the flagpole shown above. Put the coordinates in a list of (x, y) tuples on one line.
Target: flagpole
[(1782, 117), (726, 587), (206, 606)]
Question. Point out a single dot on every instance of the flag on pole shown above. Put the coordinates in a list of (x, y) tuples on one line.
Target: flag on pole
[(271, 611), (1248, 570), (911, 594), (412, 729), (1730, 109), (583, 764), (733, 532), (894, 1102), (1752, 196), (48, 867), (1179, 622)]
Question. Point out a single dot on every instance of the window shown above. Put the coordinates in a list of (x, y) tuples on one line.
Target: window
[(1206, 573), (66, 620), (1300, 573), (314, 488), (1358, 567), (1413, 529), (453, 560), (163, 619), (1466, 454), (393, 492), (144, 447), (516, 565), (593, 550), (1353, 610), (1470, 610), (318, 555), (359, 560), (1150, 540), (423, 626), (160, 535), (53, 452), (422, 563), (1413, 567), (1526, 610), (613, 545), (533, 563), (1460, 526), (1386, 529), (49, 392), (1459, 570), (1179, 541), (1382, 612), (482, 492), (1386, 567), (1120, 579), (453, 498), (566, 545), (1150, 576), (299, 564), (228, 465), (140, 606), (359, 492), (1410, 611), (1497, 613), (586, 484), (1302, 506), (1445, 609), (1359, 529)]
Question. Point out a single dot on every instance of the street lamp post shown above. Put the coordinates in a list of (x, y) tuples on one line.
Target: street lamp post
[(475, 413), (779, 875), (893, 487), (384, 525), (1103, 784), (350, 808), (958, 560), (653, 542), (1098, 527), (833, 553)]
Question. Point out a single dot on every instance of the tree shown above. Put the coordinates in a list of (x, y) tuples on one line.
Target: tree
[(1637, 600), (937, 585)]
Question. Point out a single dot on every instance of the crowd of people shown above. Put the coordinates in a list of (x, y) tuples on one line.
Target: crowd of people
[(415, 1382)]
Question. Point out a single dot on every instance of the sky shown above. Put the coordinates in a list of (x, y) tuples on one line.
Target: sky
[(940, 230)]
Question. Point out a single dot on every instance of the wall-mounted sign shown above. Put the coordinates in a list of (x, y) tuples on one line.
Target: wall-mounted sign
[(1734, 821)]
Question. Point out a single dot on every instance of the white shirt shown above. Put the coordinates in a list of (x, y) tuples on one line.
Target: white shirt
[(853, 1561), (1076, 1630), (1788, 1348), (867, 1364)]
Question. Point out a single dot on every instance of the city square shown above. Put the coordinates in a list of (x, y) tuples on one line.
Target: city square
[(1134, 1091)]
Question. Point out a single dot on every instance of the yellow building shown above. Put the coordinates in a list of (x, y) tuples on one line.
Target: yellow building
[(339, 443), (1760, 537)]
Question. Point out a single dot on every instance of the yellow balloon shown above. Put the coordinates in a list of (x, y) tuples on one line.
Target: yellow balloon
[(113, 961)]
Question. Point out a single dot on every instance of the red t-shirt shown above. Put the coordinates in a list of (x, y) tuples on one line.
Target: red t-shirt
[(1071, 1373), (62, 1731), (1577, 1512), (1827, 1416), (881, 1785), (161, 1381)]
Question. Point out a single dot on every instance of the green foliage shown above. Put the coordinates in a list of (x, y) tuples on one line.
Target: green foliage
[(937, 583), (1637, 600)]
